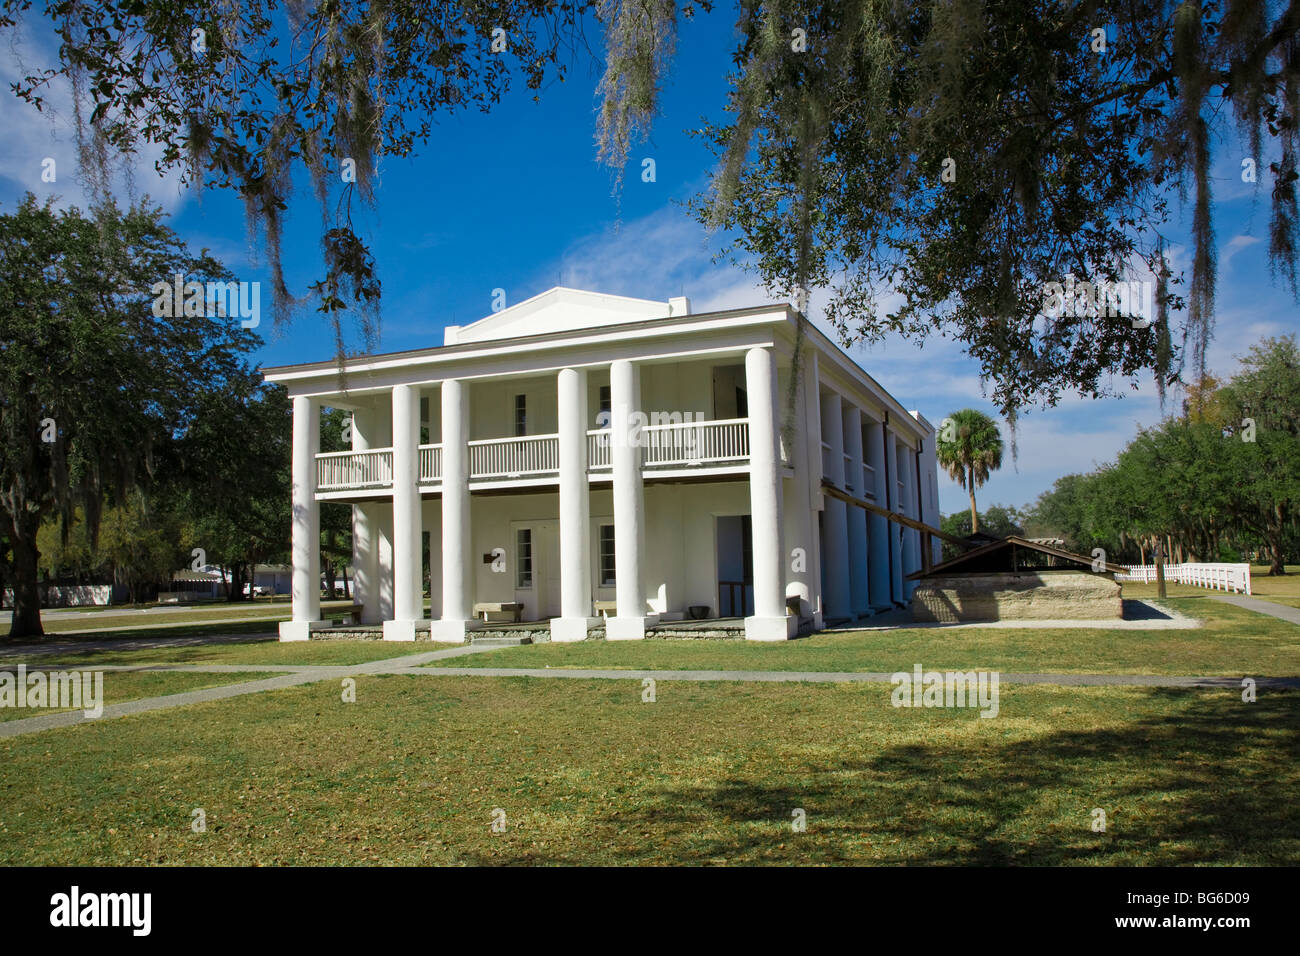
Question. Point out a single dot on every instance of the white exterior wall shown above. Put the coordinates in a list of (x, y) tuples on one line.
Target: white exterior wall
[(678, 552)]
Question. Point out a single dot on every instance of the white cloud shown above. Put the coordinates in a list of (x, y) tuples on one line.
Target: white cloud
[(32, 137)]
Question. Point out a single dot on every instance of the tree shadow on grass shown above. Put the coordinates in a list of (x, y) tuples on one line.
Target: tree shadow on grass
[(1211, 780)]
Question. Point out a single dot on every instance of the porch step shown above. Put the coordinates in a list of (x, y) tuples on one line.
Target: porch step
[(500, 640)]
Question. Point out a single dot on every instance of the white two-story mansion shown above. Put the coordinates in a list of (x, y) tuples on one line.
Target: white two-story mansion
[(599, 461)]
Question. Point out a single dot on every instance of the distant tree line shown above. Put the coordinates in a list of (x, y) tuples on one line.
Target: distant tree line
[(129, 439), (1219, 482)]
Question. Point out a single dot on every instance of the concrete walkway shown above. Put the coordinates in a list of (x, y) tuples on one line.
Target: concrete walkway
[(291, 675), (1282, 612)]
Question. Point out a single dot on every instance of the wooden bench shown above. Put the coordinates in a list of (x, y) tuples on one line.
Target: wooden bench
[(500, 612), (355, 612), (606, 608)]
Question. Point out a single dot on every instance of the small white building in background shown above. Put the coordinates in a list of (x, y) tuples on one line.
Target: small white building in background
[(581, 453)]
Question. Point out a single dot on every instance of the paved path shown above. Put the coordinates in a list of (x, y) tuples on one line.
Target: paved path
[(1282, 612), (289, 677), (293, 675)]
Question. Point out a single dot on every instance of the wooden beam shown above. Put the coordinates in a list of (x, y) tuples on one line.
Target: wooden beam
[(894, 516)]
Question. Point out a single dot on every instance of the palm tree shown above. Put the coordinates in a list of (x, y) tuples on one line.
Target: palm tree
[(969, 446)]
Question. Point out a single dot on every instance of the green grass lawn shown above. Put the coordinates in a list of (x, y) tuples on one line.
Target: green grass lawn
[(134, 685), (711, 773), (1233, 642)]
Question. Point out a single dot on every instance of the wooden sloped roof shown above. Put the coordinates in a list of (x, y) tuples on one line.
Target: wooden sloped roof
[(976, 560)]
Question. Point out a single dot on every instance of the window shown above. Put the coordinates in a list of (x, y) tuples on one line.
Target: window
[(607, 556), (521, 415), (742, 403), (606, 405), (524, 558)]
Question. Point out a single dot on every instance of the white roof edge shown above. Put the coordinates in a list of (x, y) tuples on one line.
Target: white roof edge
[(559, 291)]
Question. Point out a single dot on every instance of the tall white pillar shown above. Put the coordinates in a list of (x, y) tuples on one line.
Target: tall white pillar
[(895, 505), (305, 529), (835, 521), (878, 526), (911, 537), (575, 509), (384, 524), (802, 543), (859, 601), (408, 590), (769, 621), (365, 530), (629, 621), (457, 583)]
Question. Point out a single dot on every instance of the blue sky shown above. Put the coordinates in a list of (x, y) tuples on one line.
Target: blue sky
[(516, 200)]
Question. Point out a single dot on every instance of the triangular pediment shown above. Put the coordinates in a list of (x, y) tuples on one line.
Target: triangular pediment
[(558, 310)]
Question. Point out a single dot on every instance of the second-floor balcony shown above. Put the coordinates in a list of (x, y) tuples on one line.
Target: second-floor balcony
[(715, 447)]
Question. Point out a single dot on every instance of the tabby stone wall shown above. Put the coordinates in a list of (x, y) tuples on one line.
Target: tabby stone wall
[(1045, 596)]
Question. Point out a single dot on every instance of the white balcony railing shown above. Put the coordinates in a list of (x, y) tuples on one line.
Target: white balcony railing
[(430, 463), (514, 457), (598, 445), (687, 444), (351, 470), (678, 444), (695, 443)]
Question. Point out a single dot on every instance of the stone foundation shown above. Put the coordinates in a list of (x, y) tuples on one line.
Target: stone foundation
[(1026, 596)]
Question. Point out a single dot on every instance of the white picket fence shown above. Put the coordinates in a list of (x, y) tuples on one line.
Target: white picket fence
[(1218, 577)]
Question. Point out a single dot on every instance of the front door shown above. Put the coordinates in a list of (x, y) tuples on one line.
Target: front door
[(548, 579), (735, 543), (538, 564)]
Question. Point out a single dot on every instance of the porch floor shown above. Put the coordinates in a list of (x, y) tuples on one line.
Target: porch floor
[(538, 631)]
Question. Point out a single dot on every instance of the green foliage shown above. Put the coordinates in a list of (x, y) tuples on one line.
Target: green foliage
[(969, 448), (998, 521), (95, 389), (354, 83), (958, 156), (1230, 484)]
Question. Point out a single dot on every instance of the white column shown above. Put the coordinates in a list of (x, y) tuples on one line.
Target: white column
[(857, 517), (769, 621), (629, 620), (384, 522), (457, 580), (911, 537), (895, 539), (365, 531), (835, 521), (408, 590), (305, 529), (801, 544), (878, 526), (575, 509)]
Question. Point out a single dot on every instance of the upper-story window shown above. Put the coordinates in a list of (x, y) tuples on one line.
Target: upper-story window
[(521, 415), (606, 405)]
